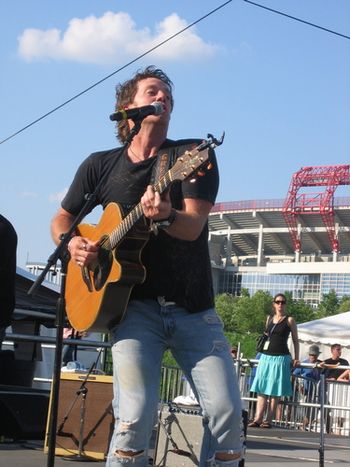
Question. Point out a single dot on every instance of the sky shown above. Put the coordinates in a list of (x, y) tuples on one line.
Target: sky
[(280, 90)]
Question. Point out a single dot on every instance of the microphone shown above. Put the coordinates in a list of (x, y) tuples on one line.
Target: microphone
[(138, 113)]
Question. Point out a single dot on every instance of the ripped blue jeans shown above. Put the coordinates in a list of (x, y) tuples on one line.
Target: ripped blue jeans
[(199, 346)]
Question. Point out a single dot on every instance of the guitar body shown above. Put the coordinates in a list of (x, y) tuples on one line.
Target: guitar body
[(96, 297)]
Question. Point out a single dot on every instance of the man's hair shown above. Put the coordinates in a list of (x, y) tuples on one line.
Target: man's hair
[(333, 346), (125, 94)]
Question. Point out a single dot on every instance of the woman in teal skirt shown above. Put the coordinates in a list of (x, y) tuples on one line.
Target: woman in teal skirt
[(273, 374)]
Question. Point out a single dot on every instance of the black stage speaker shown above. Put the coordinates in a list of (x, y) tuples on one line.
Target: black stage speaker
[(15, 372), (98, 419), (179, 436), (23, 412)]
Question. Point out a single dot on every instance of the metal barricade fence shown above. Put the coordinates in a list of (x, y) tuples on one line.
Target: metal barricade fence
[(299, 411)]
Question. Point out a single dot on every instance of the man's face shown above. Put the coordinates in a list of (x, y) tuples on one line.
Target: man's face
[(151, 90), (312, 358), (336, 352)]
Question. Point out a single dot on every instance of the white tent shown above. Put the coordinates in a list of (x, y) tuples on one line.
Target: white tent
[(325, 332)]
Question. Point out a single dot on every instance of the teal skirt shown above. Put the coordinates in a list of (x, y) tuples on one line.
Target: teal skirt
[(273, 376)]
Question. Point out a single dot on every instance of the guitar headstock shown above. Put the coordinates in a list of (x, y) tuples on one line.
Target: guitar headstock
[(192, 160), (186, 164)]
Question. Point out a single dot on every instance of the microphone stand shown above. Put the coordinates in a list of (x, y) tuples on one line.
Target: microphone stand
[(322, 419), (322, 401), (83, 391), (61, 253)]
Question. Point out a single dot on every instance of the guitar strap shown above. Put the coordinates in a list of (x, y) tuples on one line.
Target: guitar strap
[(167, 157), (160, 167)]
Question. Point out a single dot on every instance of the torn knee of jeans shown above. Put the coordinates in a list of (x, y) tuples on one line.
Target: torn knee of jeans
[(128, 453), (228, 455)]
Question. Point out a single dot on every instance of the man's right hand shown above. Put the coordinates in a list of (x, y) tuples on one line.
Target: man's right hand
[(82, 250)]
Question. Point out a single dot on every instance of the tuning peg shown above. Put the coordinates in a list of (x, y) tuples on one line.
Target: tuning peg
[(209, 166), (192, 180), (200, 173)]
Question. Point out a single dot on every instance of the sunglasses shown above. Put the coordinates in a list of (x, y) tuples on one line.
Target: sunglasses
[(280, 302)]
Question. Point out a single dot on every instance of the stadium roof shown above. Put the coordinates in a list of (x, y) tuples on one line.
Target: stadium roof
[(243, 220)]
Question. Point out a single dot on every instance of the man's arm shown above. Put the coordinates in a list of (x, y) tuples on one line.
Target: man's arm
[(191, 220), (60, 224), (345, 376)]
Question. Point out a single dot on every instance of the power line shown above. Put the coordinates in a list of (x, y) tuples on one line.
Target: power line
[(159, 45), (114, 72), (298, 19)]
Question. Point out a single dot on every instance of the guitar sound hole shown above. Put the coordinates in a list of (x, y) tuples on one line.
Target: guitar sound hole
[(103, 268)]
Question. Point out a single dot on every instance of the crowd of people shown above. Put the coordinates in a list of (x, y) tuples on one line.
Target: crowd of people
[(272, 378)]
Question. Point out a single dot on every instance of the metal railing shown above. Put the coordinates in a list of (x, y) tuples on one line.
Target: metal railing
[(301, 411)]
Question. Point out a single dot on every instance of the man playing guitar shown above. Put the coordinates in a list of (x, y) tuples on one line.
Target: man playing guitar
[(170, 305)]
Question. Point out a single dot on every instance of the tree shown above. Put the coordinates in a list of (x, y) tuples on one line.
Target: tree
[(344, 304), (300, 310), (244, 318), (252, 312), (224, 304), (329, 305)]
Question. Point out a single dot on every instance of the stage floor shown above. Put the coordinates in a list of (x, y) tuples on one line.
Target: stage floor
[(264, 448)]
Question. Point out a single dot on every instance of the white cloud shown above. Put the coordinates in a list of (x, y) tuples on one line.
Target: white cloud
[(113, 38), (58, 197)]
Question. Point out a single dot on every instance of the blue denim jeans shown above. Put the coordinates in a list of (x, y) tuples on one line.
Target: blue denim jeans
[(199, 346)]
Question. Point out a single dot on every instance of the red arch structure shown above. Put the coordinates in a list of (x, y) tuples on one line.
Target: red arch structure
[(318, 203)]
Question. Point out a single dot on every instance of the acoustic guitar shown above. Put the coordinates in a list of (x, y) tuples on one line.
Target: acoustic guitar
[(97, 295)]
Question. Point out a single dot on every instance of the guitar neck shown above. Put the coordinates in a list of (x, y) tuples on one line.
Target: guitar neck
[(136, 213)]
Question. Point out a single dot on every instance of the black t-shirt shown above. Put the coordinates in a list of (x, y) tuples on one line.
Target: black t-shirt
[(8, 246), (176, 269), (333, 372)]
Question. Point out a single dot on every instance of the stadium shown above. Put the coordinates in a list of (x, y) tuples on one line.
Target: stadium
[(299, 244)]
